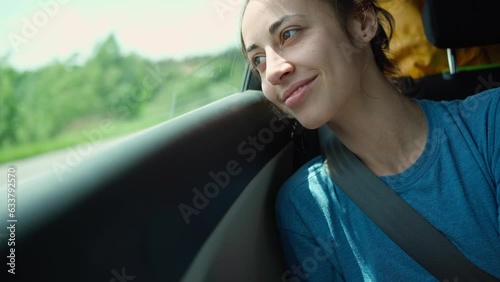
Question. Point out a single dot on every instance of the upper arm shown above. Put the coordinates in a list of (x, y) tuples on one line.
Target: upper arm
[(308, 246), (306, 259), (494, 137)]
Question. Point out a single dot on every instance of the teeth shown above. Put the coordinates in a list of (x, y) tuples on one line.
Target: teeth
[(298, 89)]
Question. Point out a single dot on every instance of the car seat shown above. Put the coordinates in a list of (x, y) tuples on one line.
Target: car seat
[(450, 25)]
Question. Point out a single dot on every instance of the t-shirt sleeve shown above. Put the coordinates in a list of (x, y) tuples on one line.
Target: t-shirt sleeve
[(492, 97), (307, 258), (494, 137), (481, 113)]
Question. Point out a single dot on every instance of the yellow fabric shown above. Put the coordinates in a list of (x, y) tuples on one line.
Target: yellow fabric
[(414, 55)]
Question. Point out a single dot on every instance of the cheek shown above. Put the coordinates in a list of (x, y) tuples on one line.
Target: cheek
[(269, 92)]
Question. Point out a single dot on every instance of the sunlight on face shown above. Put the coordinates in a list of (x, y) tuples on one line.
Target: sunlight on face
[(308, 66)]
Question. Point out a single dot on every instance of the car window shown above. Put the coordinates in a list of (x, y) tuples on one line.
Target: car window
[(74, 72)]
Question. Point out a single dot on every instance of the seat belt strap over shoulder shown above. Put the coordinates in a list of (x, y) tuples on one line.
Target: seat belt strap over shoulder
[(396, 218)]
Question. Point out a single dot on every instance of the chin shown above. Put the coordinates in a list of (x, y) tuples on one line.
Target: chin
[(311, 124)]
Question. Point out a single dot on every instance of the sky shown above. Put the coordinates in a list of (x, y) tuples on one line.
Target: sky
[(35, 33)]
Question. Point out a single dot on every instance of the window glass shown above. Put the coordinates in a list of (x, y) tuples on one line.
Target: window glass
[(72, 71)]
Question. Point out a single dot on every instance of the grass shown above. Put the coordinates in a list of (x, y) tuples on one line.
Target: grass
[(69, 139), (191, 92), (155, 112)]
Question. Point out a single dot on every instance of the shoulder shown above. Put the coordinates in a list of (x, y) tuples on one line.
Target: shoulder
[(308, 174), (303, 198), (485, 101), (472, 123), (481, 101), (305, 187), (475, 110)]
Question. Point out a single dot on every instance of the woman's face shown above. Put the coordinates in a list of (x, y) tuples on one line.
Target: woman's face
[(308, 66)]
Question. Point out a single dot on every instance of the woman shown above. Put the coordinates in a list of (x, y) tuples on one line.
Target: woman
[(323, 62)]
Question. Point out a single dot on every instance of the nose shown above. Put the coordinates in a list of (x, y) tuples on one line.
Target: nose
[(277, 67)]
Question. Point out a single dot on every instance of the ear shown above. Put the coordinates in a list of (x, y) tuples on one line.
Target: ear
[(363, 27)]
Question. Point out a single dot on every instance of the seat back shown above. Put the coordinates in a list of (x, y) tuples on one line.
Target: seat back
[(450, 25)]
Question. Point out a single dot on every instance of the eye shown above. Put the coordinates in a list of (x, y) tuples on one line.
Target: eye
[(287, 34), (257, 60)]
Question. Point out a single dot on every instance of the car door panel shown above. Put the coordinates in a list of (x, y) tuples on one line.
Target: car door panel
[(118, 214)]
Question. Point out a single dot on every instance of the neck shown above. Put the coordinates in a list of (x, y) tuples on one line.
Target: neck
[(386, 131)]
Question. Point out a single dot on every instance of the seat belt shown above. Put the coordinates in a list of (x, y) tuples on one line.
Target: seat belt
[(396, 218)]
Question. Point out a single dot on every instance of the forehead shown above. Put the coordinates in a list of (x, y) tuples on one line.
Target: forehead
[(260, 14), (272, 7)]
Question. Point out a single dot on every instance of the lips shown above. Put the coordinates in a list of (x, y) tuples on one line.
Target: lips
[(297, 90)]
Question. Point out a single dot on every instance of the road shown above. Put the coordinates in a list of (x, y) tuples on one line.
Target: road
[(56, 163)]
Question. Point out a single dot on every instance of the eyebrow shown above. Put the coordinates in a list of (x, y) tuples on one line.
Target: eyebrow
[(275, 26)]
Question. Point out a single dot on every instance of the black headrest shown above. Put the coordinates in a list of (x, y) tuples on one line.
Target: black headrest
[(457, 24)]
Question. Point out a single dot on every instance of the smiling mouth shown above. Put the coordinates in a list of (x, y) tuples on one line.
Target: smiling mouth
[(297, 91)]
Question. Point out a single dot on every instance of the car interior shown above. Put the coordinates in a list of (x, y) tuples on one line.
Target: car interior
[(192, 199)]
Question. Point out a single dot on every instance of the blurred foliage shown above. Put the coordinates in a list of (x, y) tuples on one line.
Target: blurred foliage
[(51, 107)]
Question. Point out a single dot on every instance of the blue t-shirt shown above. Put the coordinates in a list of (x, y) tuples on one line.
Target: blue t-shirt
[(454, 184)]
